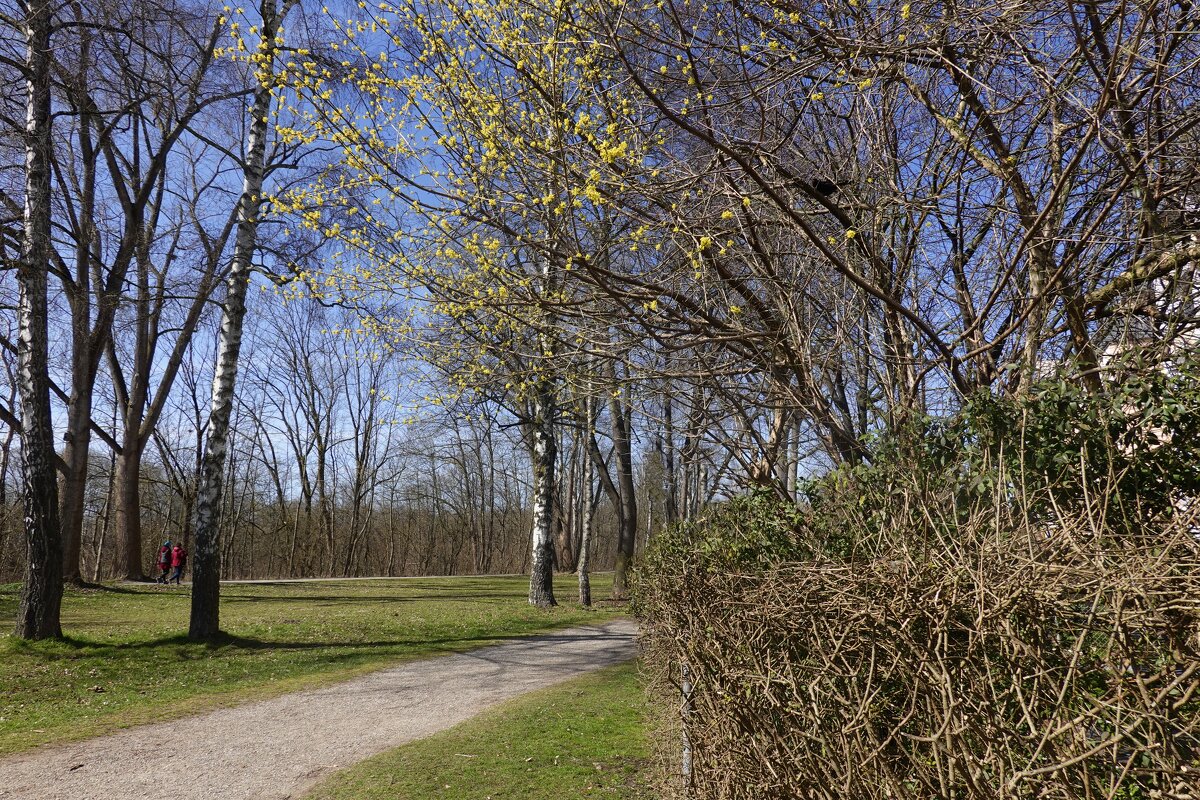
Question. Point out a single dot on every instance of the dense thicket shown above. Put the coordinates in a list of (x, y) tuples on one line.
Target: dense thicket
[(1001, 605)]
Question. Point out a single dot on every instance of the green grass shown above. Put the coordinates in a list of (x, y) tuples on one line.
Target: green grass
[(584, 738), (126, 660)]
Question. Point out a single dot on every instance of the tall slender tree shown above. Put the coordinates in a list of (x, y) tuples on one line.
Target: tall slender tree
[(38, 616), (206, 571)]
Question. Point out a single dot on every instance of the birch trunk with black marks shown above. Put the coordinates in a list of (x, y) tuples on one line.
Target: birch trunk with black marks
[(545, 459), (41, 593), (206, 564), (544, 442)]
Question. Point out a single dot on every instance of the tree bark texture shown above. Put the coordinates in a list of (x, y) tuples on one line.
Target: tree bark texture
[(41, 593), (127, 496), (627, 516), (545, 458), (71, 492), (206, 560), (587, 501)]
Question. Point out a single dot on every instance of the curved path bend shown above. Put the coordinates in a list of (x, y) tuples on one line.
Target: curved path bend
[(279, 748)]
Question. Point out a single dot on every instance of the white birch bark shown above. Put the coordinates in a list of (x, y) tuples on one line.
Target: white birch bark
[(545, 455), (41, 592), (545, 458), (206, 569)]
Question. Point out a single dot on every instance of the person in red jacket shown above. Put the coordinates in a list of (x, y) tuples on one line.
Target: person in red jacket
[(164, 561), (178, 562)]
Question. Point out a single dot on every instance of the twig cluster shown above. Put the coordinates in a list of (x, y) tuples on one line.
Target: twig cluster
[(1058, 659)]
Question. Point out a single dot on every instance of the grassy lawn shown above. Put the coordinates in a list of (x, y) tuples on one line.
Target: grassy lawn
[(126, 661), (583, 738)]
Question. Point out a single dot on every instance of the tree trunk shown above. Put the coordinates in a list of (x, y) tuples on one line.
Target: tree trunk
[(627, 514), (545, 457), (128, 498), (587, 508), (74, 484), (566, 514), (670, 484), (6, 452), (38, 615), (206, 565), (128, 495)]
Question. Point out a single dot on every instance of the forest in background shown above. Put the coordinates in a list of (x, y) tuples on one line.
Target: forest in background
[(329, 474)]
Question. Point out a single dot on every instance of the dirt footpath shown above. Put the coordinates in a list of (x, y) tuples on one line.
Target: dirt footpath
[(279, 748)]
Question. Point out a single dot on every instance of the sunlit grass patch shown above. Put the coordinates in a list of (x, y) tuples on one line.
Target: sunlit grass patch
[(126, 660), (583, 738)]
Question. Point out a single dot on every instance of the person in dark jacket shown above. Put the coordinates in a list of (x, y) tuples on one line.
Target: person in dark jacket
[(178, 562), (164, 561)]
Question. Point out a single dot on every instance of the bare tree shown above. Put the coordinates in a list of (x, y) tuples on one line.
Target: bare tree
[(206, 571), (41, 593), (118, 152)]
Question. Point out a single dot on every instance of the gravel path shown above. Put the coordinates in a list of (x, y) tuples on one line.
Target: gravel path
[(278, 748)]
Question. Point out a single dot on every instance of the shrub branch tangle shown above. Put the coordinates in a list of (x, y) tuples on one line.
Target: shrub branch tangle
[(1004, 606)]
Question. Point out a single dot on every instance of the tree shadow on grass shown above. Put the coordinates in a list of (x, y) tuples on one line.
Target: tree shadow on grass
[(125, 587), (250, 643), (227, 597), (236, 641)]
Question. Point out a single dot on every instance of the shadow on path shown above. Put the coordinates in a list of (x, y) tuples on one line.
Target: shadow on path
[(275, 749)]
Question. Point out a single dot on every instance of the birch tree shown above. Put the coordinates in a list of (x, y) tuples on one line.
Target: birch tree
[(38, 614), (587, 504), (206, 570)]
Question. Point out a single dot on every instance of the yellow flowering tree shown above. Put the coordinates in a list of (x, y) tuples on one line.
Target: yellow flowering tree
[(476, 138), (834, 217)]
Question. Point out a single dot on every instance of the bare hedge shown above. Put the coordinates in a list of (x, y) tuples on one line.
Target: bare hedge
[(971, 655)]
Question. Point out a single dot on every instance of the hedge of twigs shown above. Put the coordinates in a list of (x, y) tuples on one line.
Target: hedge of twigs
[(977, 653)]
